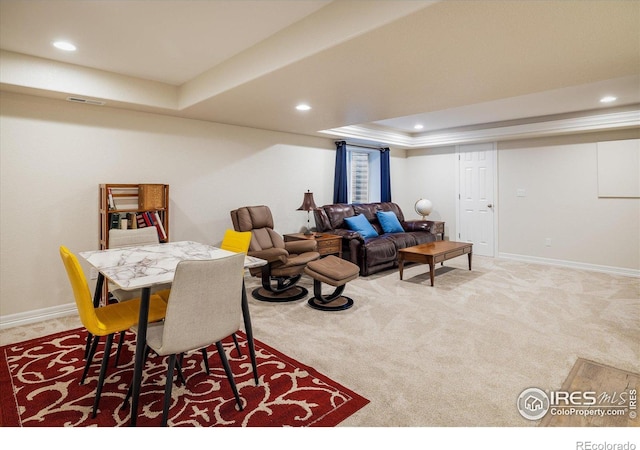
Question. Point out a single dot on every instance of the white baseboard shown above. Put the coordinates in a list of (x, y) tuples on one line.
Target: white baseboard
[(573, 265), (29, 317)]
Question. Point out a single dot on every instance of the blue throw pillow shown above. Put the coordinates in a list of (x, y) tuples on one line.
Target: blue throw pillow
[(389, 222), (360, 224)]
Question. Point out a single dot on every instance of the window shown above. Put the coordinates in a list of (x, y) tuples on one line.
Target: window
[(364, 175), (358, 177)]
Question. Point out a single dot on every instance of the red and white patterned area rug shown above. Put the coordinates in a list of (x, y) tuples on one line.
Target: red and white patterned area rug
[(39, 387)]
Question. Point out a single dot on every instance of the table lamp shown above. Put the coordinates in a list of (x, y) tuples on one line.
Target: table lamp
[(308, 205)]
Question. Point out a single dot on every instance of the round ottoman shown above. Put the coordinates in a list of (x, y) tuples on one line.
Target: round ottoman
[(336, 272)]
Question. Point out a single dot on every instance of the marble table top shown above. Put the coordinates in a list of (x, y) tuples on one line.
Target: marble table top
[(143, 266)]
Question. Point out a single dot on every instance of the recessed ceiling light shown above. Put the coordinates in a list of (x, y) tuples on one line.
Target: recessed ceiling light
[(608, 99), (418, 127), (64, 45), (303, 107)]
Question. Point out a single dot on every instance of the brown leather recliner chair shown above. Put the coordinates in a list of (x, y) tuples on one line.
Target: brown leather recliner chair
[(286, 260)]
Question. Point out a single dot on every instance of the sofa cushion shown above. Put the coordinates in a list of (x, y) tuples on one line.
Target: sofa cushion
[(360, 224), (389, 222), (379, 251), (421, 237), (335, 215), (402, 240), (369, 210)]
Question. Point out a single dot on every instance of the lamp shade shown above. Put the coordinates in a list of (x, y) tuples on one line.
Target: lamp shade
[(307, 203)]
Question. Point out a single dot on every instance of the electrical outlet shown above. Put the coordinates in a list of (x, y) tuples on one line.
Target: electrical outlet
[(521, 192), (547, 242), (93, 273)]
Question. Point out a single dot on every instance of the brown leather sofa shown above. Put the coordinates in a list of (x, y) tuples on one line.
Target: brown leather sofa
[(377, 253)]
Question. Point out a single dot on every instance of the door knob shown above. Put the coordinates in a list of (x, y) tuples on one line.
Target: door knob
[(489, 205)]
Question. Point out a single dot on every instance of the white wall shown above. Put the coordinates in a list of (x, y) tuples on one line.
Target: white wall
[(432, 175), (560, 179), (559, 176)]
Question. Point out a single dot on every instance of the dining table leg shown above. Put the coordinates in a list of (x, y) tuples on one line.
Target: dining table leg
[(97, 294), (141, 342), (247, 326)]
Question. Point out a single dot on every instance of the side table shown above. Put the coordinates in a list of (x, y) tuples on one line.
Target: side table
[(438, 229), (328, 244)]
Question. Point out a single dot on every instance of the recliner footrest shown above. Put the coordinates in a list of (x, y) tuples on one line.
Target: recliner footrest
[(335, 272), (332, 270)]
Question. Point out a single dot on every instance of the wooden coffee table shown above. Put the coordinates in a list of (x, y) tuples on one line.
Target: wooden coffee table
[(433, 253)]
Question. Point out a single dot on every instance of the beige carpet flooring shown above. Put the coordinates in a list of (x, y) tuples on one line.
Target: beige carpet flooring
[(458, 353)]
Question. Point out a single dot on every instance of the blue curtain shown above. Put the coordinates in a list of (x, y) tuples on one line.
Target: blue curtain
[(385, 176), (340, 180)]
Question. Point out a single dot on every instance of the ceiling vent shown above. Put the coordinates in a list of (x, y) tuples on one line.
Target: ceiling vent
[(85, 100)]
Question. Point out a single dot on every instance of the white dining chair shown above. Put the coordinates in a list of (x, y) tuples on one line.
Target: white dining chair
[(205, 299)]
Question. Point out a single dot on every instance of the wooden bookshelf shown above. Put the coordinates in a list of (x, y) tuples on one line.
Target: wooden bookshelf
[(132, 202)]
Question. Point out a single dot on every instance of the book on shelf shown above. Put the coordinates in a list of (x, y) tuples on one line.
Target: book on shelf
[(147, 219), (154, 219), (112, 204), (140, 221), (115, 221), (163, 234), (124, 221)]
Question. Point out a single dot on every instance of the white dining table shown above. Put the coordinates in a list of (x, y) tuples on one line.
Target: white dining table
[(142, 267)]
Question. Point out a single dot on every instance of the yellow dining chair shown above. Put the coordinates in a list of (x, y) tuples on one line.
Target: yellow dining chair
[(238, 242), (106, 320)]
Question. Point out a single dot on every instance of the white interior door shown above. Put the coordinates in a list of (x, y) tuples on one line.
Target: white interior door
[(476, 211)]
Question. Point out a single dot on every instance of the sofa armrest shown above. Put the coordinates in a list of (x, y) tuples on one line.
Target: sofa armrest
[(418, 225), (271, 255), (345, 234), (299, 247)]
